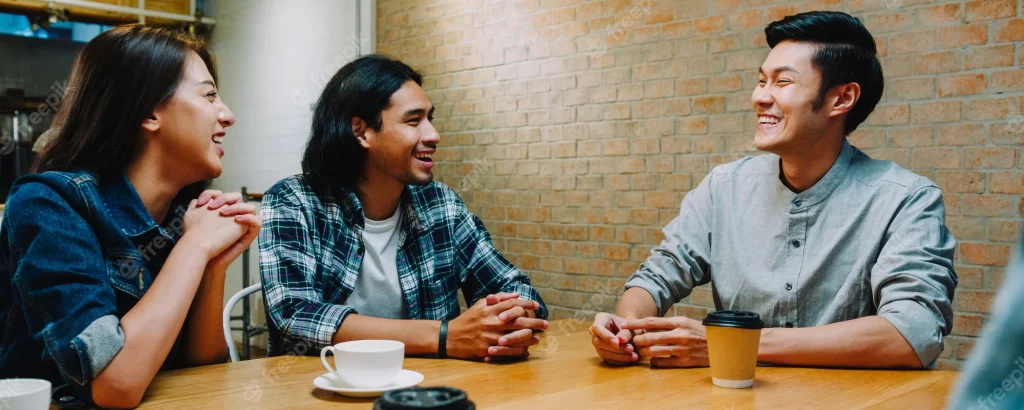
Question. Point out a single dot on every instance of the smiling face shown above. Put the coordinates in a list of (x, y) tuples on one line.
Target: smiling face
[(189, 128), (785, 98), (404, 146)]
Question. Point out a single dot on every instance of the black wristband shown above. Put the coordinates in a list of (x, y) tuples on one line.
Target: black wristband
[(442, 340)]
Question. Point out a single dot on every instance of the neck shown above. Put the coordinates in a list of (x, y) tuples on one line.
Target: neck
[(155, 187), (803, 168), (379, 193)]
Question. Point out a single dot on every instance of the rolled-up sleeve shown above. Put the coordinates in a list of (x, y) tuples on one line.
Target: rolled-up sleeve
[(488, 271), (61, 280), (301, 323), (913, 280), (682, 260)]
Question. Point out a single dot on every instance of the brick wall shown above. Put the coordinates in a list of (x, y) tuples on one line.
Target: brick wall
[(575, 127)]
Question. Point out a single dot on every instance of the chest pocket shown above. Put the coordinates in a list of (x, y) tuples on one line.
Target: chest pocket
[(127, 272)]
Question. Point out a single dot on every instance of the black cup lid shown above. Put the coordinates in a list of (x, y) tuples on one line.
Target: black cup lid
[(734, 318), (419, 398)]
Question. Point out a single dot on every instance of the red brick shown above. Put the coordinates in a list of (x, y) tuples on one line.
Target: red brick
[(939, 158), (864, 138), (676, 29), (921, 136), (966, 228), (989, 157), (990, 9), (661, 15), (888, 22), (1008, 80), (707, 25), (1004, 230), (746, 19), (965, 324), (971, 277), (991, 109), (940, 15), (961, 84), (964, 350), (961, 182), (910, 89), (971, 34), (889, 114), (1010, 30), (987, 205), (974, 301), (779, 12), (937, 62), (988, 57), (943, 111), (911, 42), (1007, 183), (962, 134)]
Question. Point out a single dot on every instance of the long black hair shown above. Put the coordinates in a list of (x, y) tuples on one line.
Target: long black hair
[(846, 54), (362, 88), (118, 80)]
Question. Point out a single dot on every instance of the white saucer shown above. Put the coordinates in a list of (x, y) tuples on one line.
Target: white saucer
[(406, 378)]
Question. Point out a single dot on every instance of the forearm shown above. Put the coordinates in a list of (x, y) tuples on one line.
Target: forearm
[(420, 336), (150, 329), (204, 331), (867, 342), (637, 303)]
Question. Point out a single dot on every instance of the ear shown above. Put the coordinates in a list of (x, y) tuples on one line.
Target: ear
[(844, 98), (152, 122), (360, 130)]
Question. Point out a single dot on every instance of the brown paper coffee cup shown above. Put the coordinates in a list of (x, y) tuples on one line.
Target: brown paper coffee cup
[(733, 338)]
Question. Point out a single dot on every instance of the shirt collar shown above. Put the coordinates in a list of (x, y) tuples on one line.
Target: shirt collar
[(821, 190), (352, 210), (125, 206)]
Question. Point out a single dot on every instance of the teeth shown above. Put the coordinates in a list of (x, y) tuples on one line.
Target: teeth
[(767, 120), (218, 140)]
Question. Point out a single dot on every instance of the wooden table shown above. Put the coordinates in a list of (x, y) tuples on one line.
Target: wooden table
[(564, 373)]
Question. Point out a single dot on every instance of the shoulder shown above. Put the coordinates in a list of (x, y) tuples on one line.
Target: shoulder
[(297, 190), (436, 202), (51, 187), (888, 174)]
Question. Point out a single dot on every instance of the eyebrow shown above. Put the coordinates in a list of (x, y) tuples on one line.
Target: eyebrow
[(780, 69), (418, 112), (210, 82)]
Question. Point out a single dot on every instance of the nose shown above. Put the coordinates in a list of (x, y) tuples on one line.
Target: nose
[(761, 96), (225, 117), (430, 136)]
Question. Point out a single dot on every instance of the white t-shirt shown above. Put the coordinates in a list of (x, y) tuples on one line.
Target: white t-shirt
[(377, 292)]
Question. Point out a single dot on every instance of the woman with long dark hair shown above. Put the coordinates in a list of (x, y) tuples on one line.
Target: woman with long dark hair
[(112, 258)]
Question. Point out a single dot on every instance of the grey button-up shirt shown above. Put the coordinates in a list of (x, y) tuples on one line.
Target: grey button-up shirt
[(868, 239)]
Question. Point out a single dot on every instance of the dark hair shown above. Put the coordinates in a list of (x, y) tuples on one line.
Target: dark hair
[(362, 88), (118, 79), (846, 54)]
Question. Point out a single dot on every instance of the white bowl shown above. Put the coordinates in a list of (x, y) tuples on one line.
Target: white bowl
[(24, 394)]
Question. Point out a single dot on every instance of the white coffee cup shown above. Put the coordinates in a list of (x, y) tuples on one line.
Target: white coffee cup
[(24, 394), (366, 364)]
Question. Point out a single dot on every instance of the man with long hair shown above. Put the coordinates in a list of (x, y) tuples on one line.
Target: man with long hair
[(847, 259), (364, 245)]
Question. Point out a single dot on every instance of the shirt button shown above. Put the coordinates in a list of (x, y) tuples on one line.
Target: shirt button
[(796, 243), (789, 286), (789, 324), (798, 203)]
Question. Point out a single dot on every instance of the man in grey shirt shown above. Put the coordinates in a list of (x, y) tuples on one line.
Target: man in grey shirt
[(847, 259)]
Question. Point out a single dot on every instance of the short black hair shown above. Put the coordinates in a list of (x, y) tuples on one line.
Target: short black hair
[(846, 54), (362, 88)]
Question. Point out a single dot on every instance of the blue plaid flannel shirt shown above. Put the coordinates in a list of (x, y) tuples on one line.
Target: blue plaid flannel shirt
[(311, 252)]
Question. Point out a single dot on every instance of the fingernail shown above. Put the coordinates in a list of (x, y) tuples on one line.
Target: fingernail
[(503, 341), (487, 359), (203, 199), (545, 323), (634, 357), (502, 317)]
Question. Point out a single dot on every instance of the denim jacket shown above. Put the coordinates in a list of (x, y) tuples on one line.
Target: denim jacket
[(77, 252)]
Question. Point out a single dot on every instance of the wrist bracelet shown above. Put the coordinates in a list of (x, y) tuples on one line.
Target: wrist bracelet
[(442, 340)]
